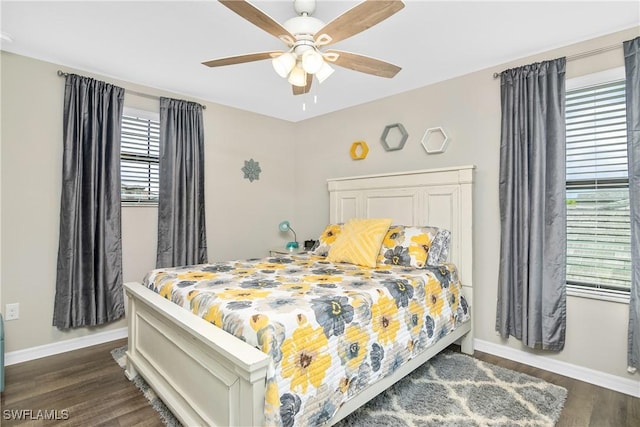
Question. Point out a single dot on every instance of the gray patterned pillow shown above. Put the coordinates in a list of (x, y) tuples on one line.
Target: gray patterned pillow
[(414, 246), (439, 249)]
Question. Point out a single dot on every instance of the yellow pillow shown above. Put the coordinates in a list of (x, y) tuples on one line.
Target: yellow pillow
[(359, 241)]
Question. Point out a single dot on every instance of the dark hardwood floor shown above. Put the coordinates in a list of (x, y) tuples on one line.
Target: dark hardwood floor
[(87, 382), (92, 388)]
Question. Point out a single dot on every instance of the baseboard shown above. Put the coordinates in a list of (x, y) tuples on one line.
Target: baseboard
[(19, 356), (623, 385)]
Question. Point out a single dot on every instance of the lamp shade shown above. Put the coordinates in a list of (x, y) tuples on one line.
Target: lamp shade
[(312, 61), (285, 226), (325, 71), (283, 64), (298, 77)]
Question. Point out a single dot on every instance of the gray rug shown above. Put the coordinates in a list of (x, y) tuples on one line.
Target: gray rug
[(165, 414), (452, 389)]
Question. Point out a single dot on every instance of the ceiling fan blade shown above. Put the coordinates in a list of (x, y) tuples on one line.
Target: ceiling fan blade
[(360, 17), (299, 90), (239, 59), (364, 64), (257, 17)]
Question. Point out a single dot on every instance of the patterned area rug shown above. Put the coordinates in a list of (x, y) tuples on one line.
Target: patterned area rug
[(452, 389)]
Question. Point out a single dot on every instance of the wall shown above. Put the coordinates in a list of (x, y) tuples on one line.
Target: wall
[(468, 108), (31, 165)]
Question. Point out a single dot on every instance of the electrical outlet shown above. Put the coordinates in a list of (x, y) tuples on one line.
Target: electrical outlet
[(12, 311)]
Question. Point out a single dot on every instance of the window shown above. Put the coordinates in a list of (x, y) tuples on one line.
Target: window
[(139, 156), (598, 219)]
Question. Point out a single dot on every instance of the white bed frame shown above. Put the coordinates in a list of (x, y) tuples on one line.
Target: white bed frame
[(209, 377)]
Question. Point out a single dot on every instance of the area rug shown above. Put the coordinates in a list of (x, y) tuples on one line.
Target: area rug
[(452, 389)]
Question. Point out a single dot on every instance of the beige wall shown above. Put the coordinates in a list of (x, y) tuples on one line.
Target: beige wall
[(468, 108), (242, 217)]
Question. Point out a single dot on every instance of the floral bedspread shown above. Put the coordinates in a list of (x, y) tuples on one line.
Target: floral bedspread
[(331, 329)]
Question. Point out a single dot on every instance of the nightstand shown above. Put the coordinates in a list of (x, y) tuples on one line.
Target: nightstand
[(285, 251)]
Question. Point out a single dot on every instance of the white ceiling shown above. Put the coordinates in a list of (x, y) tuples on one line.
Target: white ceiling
[(162, 44)]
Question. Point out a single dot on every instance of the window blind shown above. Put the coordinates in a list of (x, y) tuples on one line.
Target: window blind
[(139, 155), (598, 226)]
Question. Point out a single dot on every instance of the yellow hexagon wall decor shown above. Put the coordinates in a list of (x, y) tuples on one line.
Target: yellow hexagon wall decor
[(359, 150)]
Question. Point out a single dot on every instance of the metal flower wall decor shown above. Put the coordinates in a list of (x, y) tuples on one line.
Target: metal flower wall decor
[(251, 170)]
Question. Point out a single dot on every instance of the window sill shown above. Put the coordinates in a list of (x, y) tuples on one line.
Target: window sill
[(603, 295)]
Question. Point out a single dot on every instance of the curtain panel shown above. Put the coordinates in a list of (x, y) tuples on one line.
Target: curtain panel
[(632, 72), (182, 238), (532, 279), (89, 268)]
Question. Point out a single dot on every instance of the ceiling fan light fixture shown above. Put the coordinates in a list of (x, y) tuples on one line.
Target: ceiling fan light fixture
[(298, 77), (284, 63), (324, 72), (312, 61), (305, 35)]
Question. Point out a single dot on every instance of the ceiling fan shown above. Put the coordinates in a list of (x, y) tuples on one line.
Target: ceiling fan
[(306, 36)]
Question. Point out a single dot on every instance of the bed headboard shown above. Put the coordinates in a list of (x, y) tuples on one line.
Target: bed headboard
[(435, 197)]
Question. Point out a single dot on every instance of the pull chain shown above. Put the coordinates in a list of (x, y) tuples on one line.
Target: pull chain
[(315, 93)]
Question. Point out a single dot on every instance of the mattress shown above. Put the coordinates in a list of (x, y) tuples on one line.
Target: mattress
[(331, 329)]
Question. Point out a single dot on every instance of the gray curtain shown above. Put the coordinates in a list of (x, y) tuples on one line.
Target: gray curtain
[(632, 68), (89, 272), (182, 238), (532, 286)]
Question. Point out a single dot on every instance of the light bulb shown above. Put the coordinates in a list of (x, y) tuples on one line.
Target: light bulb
[(298, 77), (283, 64), (312, 61), (325, 71)]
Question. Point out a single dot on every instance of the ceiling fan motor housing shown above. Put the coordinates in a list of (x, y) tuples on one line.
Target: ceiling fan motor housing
[(303, 25), (303, 28)]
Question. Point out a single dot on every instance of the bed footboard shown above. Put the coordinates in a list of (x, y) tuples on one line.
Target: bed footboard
[(203, 374)]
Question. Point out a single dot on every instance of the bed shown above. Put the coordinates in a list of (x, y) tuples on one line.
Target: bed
[(207, 376)]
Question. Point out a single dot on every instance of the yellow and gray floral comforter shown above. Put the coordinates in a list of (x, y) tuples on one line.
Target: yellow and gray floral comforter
[(331, 329)]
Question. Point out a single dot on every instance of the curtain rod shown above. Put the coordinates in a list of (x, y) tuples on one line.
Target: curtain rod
[(144, 95), (583, 54)]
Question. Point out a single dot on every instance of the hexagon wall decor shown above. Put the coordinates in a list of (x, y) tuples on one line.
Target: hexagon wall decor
[(435, 140), (359, 150), (394, 137)]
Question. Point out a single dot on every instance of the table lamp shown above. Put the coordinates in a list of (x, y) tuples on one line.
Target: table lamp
[(285, 226)]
